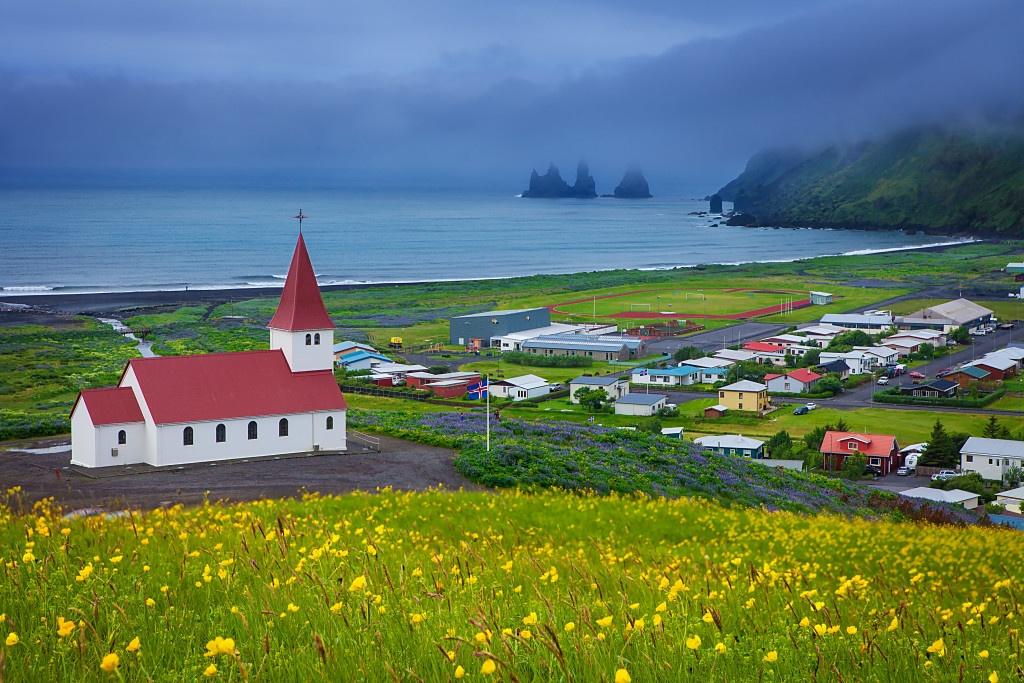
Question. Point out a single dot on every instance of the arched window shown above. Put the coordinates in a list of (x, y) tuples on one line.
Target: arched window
[(309, 339), (186, 436), (316, 339), (330, 422), (252, 430), (122, 437), (222, 433), (282, 427)]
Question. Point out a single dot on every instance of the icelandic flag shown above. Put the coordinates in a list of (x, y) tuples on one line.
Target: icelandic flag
[(478, 390)]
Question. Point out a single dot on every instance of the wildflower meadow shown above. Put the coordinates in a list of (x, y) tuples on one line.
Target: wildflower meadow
[(502, 586)]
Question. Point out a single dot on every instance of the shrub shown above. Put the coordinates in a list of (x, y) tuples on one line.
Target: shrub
[(537, 361)]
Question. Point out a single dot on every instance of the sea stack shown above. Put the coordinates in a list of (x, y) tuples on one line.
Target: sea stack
[(585, 187), (633, 186), (548, 185), (716, 203)]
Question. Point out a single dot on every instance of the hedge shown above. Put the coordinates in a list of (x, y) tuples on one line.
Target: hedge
[(892, 396)]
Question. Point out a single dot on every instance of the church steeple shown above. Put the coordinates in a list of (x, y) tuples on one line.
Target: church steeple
[(301, 327)]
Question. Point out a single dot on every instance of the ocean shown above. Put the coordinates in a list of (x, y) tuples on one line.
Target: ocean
[(97, 240)]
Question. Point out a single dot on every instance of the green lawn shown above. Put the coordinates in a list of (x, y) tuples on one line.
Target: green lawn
[(500, 369), (1008, 402)]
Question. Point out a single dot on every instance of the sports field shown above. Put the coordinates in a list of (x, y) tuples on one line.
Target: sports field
[(686, 303)]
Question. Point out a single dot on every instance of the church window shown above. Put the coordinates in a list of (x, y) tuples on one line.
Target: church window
[(282, 427), (122, 437), (187, 436), (316, 339), (309, 339), (252, 430), (330, 422), (222, 433)]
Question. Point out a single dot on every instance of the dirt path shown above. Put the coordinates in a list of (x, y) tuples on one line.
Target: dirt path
[(400, 465)]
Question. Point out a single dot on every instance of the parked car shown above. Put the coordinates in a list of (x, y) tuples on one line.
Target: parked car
[(903, 472), (801, 410), (1005, 326), (944, 475), (873, 470), (883, 381), (916, 375), (810, 406)]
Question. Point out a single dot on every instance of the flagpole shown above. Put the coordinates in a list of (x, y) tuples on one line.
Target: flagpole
[(488, 409)]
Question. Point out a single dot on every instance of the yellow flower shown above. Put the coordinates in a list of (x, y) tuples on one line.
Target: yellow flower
[(358, 584), (605, 622), (110, 662), (657, 620), (135, 645), (983, 654), (488, 667), (84, 572), (772, 656), (210, 671), (64, 628), (805, 622), (693, 642), (720, 648), (293, 607), (661, 607), (116, 559), (851, 630), (530, 619), (12, 639), (220, 646), (150, 602), (993, 677), (894, 624), (820, 629), (708, 618), (569, 627), (459, 671), (938, 648), (525, 634), (622, 676)]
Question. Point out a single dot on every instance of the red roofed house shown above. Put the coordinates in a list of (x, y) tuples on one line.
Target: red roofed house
[(769, 354), (881, 450), (218, 406), (799, 381)]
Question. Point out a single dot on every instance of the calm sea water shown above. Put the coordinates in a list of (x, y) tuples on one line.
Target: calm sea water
[(103, 240)]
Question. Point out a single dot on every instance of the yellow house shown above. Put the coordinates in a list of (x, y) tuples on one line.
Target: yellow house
[(744, 395)]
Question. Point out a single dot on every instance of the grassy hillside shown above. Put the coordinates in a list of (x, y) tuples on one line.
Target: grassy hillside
[(922, 179), (502, 586)]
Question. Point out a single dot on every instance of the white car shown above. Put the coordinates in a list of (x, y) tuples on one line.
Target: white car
[(944, 475), (882, 381), (903, 472), (810, 406)]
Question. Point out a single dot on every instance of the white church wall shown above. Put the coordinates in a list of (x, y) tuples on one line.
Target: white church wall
[(83, 437), (304, 430), (95, 446), (301, 357)]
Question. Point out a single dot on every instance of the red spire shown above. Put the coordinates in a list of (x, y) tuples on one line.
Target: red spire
[(301, 307)]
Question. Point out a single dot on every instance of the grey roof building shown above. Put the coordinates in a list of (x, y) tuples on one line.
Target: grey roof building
[(463, 329)]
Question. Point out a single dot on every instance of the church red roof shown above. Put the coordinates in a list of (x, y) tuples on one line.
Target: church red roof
[(223, 386), (301, 306), (110, 405)]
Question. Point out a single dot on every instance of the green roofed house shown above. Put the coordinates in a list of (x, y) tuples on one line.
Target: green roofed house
[(968, 375), (1015, 268)]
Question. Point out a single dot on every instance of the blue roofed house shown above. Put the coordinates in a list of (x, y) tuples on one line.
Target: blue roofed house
[(666, 377), (362, 360)]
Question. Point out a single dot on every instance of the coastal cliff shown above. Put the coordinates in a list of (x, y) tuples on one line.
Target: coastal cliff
[(633, 186), (551, 185), (921, 179)]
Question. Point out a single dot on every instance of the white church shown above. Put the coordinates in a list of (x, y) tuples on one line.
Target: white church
[(184, 409)]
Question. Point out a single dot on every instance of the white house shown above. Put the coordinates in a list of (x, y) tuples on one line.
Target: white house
[(858, 361), (614, 387), (732, 444), (520, 388), (786, 340), (955, 496), (1012, 500), (643, 405), (666, 377), (710, 370), (799, 381), (991, 457), (821, 335), (735, 355), (885, 355), (174, 410)]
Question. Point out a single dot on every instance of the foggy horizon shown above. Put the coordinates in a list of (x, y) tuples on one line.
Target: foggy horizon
[(456, 95)]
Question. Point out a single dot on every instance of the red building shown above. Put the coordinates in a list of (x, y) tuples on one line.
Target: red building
[(881, 450), (447, 385)]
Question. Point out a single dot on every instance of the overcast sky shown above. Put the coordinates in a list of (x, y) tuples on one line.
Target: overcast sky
[(450, 92)]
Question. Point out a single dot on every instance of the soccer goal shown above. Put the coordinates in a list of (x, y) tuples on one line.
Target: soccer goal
[(695, 295), (640, 307)]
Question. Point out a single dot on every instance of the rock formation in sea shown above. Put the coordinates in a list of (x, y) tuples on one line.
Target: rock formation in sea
[(550, 185), (633, 186), (716, 203)]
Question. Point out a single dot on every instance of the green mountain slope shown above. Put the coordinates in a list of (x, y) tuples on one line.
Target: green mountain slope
[(921, 179)]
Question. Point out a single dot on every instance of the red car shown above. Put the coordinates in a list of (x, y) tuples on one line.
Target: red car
[(916, 376)]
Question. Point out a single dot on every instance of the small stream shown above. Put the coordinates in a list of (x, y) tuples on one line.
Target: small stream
[(145, 348)]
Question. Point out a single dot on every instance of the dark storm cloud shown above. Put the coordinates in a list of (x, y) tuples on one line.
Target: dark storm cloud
[(461, 92)]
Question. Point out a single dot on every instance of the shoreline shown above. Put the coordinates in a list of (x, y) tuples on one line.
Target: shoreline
[(102, 302)]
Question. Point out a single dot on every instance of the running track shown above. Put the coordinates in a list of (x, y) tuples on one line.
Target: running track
[(755, 313)]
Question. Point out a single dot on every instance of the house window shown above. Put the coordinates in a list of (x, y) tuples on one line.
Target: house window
[(222, 433), (309, 339), (330, 422), (970, 458), (740, 407), (853, 446), (282, 427), (187, 436), (316, 339), (122, 437), (875, 461), (253, 430)]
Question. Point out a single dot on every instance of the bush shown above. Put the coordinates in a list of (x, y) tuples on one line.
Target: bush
[(894, 396), (537, 361)]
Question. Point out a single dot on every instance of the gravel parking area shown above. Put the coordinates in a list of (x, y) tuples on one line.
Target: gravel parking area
[(400, 465)]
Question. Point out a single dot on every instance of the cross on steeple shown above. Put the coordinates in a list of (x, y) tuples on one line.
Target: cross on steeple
[(301, 216)]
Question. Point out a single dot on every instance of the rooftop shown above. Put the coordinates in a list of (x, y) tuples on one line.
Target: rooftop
[(1007, 448), (729, 441), (958, 311), (938, 495), (857, 318), (637, 399), (110, 405), (526, 381), (744, 385), (301, 307), (595, 381), (871, 444), (508, 311)]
